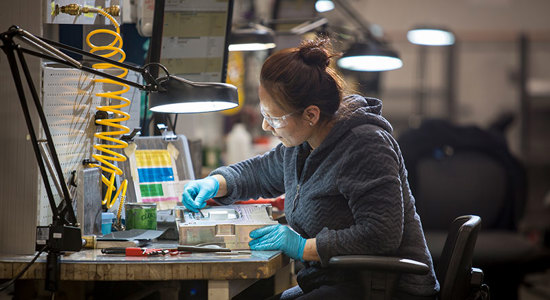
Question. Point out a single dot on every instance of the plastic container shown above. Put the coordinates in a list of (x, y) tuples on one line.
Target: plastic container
[(239, 144), (106, 222)]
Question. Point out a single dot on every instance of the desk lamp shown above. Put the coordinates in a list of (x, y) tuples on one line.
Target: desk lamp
[(168, 94)]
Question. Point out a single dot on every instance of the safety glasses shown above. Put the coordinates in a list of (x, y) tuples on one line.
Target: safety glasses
[(276, 122)]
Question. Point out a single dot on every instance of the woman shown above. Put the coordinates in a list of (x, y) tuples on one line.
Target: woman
[(341, 170)]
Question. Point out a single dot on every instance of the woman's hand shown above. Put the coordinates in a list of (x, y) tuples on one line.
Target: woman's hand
[(196, 192), (278, 237)]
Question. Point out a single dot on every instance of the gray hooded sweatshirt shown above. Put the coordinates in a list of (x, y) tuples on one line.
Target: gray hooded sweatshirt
[(351, 193)]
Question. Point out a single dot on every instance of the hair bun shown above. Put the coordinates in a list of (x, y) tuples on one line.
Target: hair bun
[(313, 52)]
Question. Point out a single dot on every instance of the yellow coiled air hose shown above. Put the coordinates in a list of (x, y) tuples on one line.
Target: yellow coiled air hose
[(110, 136)]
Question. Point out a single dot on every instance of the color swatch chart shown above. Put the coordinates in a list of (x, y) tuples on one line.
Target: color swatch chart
[(157, 176)]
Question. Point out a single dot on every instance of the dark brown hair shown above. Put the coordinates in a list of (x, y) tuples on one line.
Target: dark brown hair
[(299, 77)]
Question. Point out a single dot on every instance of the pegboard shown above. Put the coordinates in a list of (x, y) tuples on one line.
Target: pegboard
[(69, 103)]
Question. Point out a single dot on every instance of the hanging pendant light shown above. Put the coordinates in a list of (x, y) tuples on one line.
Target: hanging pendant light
[(369, 57), (253, 37), (430, 36), (324, 5), (370, 53)]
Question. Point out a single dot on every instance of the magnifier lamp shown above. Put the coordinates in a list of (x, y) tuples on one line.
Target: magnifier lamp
[(169, 94)]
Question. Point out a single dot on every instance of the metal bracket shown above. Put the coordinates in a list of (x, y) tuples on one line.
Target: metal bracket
[(167, 135), (130, 137)]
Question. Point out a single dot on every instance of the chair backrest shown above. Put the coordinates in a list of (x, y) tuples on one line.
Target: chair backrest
[(455, 267), (467, 182), (459, 170)]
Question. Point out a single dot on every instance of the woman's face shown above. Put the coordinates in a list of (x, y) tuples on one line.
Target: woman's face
[(294, 130)]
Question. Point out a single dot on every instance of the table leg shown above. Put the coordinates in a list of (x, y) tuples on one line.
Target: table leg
[(284, 278), (226, 289)]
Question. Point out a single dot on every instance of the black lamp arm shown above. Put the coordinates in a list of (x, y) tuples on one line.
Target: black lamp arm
[(52, 52), (64, 213), (63, 234), (147, 87), (11, 49)]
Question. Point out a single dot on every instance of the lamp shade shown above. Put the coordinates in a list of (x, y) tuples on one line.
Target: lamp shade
[(431, 36), (369, 57), (178, 95), (251, 38)]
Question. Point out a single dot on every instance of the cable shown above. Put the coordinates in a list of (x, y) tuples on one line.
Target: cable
[(5, 285), (110, 138), (175, 123)]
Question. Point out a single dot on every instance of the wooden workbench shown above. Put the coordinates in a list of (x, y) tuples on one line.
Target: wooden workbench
[(227, 273)]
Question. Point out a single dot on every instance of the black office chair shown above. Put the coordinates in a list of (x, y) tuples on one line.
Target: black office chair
[(458, 280), (455, 273), (458, 170)]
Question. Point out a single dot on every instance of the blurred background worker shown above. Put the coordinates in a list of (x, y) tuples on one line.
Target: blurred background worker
[(341, 170)]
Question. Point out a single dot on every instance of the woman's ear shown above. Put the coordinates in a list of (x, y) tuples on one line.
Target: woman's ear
[(312, 114)]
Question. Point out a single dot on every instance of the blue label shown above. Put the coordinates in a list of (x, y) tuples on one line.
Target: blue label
[(155, 174)]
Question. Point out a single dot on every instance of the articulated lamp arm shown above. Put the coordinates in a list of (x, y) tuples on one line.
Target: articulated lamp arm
[(170, 94), (50, 51)]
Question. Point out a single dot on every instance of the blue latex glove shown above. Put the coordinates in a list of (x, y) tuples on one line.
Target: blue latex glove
[(196, 192), (278, 237)]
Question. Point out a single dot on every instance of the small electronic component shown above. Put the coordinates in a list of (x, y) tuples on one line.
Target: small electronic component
[(228, 226)]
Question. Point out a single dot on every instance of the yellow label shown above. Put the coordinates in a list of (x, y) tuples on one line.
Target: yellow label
[(153, 158)]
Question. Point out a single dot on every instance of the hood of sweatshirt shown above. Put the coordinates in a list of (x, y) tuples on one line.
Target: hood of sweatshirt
[(356, 110)]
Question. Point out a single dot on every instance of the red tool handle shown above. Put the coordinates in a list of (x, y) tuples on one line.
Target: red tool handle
[(135, 251)]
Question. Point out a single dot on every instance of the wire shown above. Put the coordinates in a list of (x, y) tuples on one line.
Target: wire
[(9, 283), (110, 138), (175, 123), (147, 65)]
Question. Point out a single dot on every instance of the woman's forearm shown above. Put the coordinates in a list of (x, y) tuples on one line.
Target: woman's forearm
[(222, 190), (310, 250)]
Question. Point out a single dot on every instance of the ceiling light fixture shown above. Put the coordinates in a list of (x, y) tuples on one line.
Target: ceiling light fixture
[(369, 53), (253, 37), (324, 6), (429, 36), (369, 57)]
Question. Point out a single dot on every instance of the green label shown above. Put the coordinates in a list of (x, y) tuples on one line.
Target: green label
[(151, 190)]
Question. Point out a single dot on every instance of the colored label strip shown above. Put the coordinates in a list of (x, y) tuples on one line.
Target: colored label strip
[(160, 199), (151, 190), (155, 174), (153, 158)]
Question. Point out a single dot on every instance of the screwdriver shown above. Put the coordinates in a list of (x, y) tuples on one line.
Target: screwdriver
[(134, 251)]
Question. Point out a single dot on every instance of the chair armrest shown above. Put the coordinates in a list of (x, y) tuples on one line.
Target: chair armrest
[(380, 264), (476, 279)]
